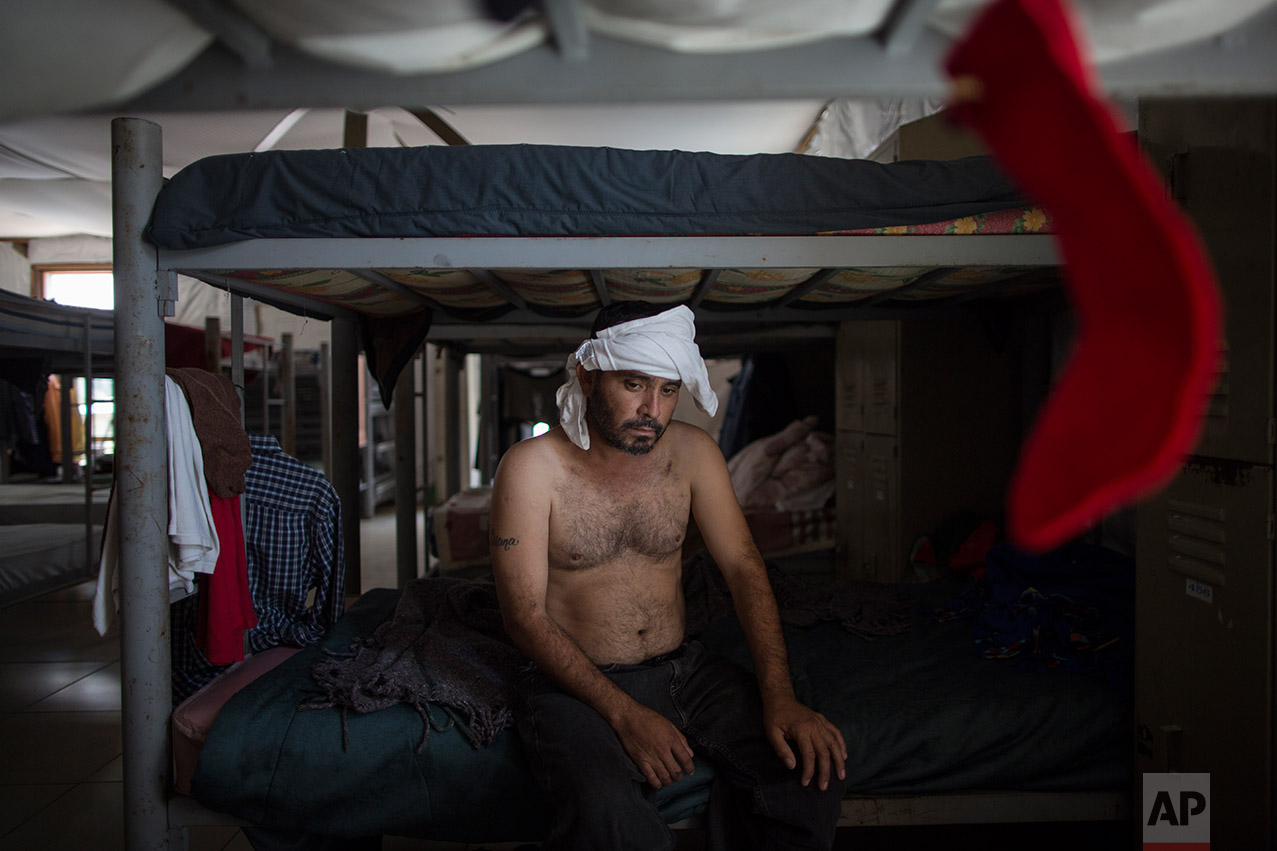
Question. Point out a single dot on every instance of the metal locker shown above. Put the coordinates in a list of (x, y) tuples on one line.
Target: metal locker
[(880, 347), (1217, 157), (848, 504), (849, 377), (868, 507), (880, 509), (1204, 651), (1205, 591), (939, 415)]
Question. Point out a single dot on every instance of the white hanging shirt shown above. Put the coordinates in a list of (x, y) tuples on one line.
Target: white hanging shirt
[(192, 535)]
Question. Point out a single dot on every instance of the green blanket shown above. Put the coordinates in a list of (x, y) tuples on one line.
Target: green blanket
[(921, 713)]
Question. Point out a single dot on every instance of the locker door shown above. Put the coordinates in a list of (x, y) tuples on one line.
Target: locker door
[(849, 450), (881, 509), (882, 367), (1218, 158), (1204, 651), (849, 376)]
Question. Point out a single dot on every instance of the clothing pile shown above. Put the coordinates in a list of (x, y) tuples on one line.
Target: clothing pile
[(863, 608), (792, 470), (1072, 609), (293, 548), (207, 456), (254, 578), (31, 417)]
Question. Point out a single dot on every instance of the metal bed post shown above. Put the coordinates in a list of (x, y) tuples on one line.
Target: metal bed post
[(488, 455), (325, 411), (288, 378), (424, 449), (142, 474), (453, 430), (368, 494), (405, 419), (68, 457), (345, 431), (237, 379), (89, 460), (213, 344), (267, 360), (237, 349)]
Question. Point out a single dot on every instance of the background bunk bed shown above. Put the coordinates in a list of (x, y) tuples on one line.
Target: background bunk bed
[(50, 532), (535, 292)]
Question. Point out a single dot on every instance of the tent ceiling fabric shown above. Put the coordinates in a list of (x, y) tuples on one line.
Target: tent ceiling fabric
[(448, 35), (81, 55), (55, 171), (1118, 29), (714, 25), (62, 55), (397, 37)]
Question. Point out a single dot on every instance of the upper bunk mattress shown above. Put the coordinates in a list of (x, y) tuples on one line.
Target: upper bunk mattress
[(522, 215), (548, 190)]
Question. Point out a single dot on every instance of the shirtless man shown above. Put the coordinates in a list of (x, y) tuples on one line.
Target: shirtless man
[(588, 523)]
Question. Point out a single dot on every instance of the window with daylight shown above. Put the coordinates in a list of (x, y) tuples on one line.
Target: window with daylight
[(85, 286)]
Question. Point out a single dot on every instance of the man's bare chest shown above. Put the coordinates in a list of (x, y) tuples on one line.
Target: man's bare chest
[(594, 524)]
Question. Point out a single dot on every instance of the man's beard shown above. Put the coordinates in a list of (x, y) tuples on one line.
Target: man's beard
[(613, 433)]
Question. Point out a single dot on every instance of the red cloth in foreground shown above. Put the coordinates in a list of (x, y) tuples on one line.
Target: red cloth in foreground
[(1129, 406), (226, 606)]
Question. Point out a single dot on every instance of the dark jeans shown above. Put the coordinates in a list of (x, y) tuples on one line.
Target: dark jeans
[(600, 799)]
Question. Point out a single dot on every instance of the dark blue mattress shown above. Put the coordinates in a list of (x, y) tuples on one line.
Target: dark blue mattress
[(546, 190), (921, 714)]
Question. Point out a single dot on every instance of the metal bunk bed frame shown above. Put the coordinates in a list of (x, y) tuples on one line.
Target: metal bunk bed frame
[(144, 291), (81, 351)]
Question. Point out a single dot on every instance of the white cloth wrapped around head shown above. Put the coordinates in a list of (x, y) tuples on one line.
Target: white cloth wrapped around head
[(663, 346)]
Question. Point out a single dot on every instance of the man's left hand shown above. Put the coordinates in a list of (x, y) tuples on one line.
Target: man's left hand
[(816, 739)]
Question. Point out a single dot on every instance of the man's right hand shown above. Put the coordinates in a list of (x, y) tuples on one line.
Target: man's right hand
[(657, 747)]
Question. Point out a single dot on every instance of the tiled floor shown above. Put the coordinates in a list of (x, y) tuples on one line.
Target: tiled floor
[(61, 769)]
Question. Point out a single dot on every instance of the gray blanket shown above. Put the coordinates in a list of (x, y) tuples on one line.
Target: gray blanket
[(445, 646)]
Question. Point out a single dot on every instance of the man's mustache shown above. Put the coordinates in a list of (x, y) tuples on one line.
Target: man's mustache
[(655, 425)]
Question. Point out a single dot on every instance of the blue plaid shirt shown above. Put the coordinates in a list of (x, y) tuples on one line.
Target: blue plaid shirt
[(292, 529)]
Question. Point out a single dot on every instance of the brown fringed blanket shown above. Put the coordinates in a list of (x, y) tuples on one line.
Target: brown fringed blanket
[(445, 645)]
